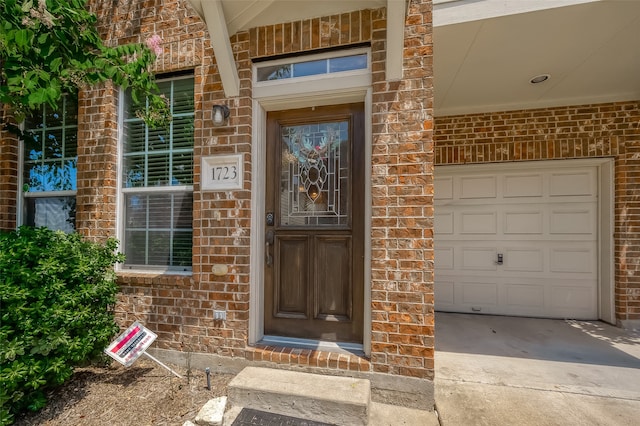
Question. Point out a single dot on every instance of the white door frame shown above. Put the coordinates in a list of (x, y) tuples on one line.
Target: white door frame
[(606, 244), (290, 97)]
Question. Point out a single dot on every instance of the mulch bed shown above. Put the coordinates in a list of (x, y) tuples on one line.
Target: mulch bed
[(143, 394)]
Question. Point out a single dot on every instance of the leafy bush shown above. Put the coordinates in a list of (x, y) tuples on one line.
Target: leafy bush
[(52, 47), (56, 297)]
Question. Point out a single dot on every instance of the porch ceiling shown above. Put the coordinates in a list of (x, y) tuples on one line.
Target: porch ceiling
[(485, 51), (484, 63)]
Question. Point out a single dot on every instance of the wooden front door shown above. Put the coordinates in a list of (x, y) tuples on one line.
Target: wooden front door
[(315, 223)]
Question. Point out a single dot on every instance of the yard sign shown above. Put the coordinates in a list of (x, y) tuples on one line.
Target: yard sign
[(131, 344)]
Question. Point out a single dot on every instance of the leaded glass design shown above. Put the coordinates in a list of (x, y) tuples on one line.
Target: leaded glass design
[(314, 177)]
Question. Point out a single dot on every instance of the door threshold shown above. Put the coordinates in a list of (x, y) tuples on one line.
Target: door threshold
[(346, 348)]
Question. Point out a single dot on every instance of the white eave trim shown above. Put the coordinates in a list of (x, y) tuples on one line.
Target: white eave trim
[(236, 23), (449, 12), (217, 26)]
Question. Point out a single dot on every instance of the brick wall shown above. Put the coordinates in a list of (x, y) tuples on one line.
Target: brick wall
[(96, 195), (179, 307), (317, 33), (221, 219), (402, 197), (8, 175), (585, 131)]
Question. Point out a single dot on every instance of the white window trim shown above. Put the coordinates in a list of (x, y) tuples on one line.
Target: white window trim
[(313, 84), (49, 194), (311, 58), (22, 196), (20, 210), (162, 189), (120, 210)]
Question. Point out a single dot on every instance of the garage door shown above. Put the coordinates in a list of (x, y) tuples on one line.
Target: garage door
[(517, 239)]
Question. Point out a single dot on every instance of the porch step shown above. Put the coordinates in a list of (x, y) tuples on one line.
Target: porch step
[(327, 399)]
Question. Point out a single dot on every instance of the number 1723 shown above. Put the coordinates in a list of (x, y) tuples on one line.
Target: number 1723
[(225, 173)]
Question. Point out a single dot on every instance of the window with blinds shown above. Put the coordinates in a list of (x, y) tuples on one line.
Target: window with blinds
[(157, 183), (49, 166)]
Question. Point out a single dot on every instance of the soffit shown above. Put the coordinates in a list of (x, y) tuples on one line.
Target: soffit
[(245, 14), (486, 51), (590, 49)]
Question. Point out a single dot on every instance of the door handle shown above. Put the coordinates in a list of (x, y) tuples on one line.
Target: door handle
[(500, 259), (269, 238)]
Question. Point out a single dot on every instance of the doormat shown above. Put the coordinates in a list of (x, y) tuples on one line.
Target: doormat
[(250, 417)]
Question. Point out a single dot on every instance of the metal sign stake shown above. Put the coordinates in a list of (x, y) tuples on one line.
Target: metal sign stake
[(158, 361)]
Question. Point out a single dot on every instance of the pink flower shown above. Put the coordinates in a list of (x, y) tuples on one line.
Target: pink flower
[(153, 43)]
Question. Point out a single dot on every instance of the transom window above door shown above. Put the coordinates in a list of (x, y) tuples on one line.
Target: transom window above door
[(353, 60)]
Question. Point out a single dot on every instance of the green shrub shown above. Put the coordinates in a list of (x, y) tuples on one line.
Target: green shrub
[(56, 311)]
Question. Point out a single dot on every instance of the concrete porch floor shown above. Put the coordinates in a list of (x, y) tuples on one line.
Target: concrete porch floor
[(493, 370)]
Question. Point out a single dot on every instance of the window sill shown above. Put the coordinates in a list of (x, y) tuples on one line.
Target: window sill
[(147, 278), (153, 273)]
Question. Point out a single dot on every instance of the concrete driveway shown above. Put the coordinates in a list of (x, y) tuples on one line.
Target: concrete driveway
[(493, 370)]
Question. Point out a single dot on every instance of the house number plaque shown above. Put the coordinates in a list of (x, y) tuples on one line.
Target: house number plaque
[(222, 172)]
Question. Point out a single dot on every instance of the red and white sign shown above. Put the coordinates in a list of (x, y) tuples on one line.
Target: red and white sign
[(131, 344)]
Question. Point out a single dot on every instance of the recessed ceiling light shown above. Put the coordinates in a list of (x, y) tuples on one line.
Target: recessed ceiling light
[(540, 78)]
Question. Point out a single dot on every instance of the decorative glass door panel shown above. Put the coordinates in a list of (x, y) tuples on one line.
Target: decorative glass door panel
[(315, 232), (314, 178)]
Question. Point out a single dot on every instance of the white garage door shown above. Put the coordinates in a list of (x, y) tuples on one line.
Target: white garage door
[(517, 239)]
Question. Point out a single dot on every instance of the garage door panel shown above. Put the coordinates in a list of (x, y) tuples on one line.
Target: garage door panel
[(478, 222), (519, 186), (573, 299), (478, 294), (479, 258), (443, 223), (572, 221), (523, 222), (444, 292), (527, 296), (543, 222), (572, 260), (478, 187), (443, 188), (444, 257), (524, 259), (572, 184)]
